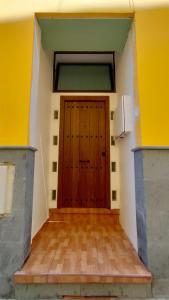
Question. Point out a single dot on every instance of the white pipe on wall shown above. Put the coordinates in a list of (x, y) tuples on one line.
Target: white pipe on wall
[(7, 173)]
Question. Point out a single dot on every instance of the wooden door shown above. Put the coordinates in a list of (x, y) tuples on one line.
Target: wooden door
[(84, 154)]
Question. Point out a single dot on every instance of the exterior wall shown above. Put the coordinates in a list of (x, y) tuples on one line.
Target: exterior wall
[(152, 35), (125, 86), (152, 46), (151, 168), (151, 163), (15, 81), (15, 228), (40, 128), (19, 9), (53, 181), (152, 194)]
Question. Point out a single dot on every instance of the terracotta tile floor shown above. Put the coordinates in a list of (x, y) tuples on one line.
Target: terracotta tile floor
[(82, 246)]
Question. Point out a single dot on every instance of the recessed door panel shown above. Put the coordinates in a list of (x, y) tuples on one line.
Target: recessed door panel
[(83, 173)]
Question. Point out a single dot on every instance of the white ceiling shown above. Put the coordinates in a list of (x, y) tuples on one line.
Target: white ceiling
[(18, 9)]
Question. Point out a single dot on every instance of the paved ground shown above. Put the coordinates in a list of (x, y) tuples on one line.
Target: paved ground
[(83, 246)]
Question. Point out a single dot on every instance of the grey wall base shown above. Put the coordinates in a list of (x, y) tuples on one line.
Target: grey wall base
[(15, 229), (152, 209), (158, 289), (56, 291)]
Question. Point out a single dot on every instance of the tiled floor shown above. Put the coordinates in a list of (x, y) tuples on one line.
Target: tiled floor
[(82, 246)]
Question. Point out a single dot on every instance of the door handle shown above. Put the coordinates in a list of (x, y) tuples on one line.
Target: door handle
[(84, 161)]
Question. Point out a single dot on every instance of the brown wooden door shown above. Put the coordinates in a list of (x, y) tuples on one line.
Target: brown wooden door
[(84, 154)]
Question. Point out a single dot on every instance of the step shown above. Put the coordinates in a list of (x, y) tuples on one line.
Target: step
[(77, 214), (73, 291)]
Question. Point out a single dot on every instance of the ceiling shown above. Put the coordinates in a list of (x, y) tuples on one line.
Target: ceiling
[(84, 34)]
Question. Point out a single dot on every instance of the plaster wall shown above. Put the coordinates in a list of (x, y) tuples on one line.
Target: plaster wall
[(152, 48), (39, 128), (84, 58), (15, 81), (125, 86)]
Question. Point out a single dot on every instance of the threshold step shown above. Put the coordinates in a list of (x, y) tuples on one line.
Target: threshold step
[(22, 277)]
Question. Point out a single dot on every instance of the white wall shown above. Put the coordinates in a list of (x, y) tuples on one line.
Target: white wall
[(40, 128), (53, 176), (125, 86), (84, 58)]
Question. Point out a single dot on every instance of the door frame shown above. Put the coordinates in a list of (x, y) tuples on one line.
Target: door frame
[(63, 99)]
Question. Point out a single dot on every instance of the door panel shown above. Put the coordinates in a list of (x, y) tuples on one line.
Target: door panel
[(83, 172)]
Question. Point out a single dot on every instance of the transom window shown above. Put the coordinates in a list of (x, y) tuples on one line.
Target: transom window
[(95, 73)]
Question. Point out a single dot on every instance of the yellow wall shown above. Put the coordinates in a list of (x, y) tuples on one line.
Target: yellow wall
[(152, 47), (16, 44), (152, 54)]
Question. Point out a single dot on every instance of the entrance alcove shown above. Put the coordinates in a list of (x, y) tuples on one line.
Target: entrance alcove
[(109, 41)]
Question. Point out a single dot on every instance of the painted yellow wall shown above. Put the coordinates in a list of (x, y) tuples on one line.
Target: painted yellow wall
[(152, 53), (16, 44), (152, 50)]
